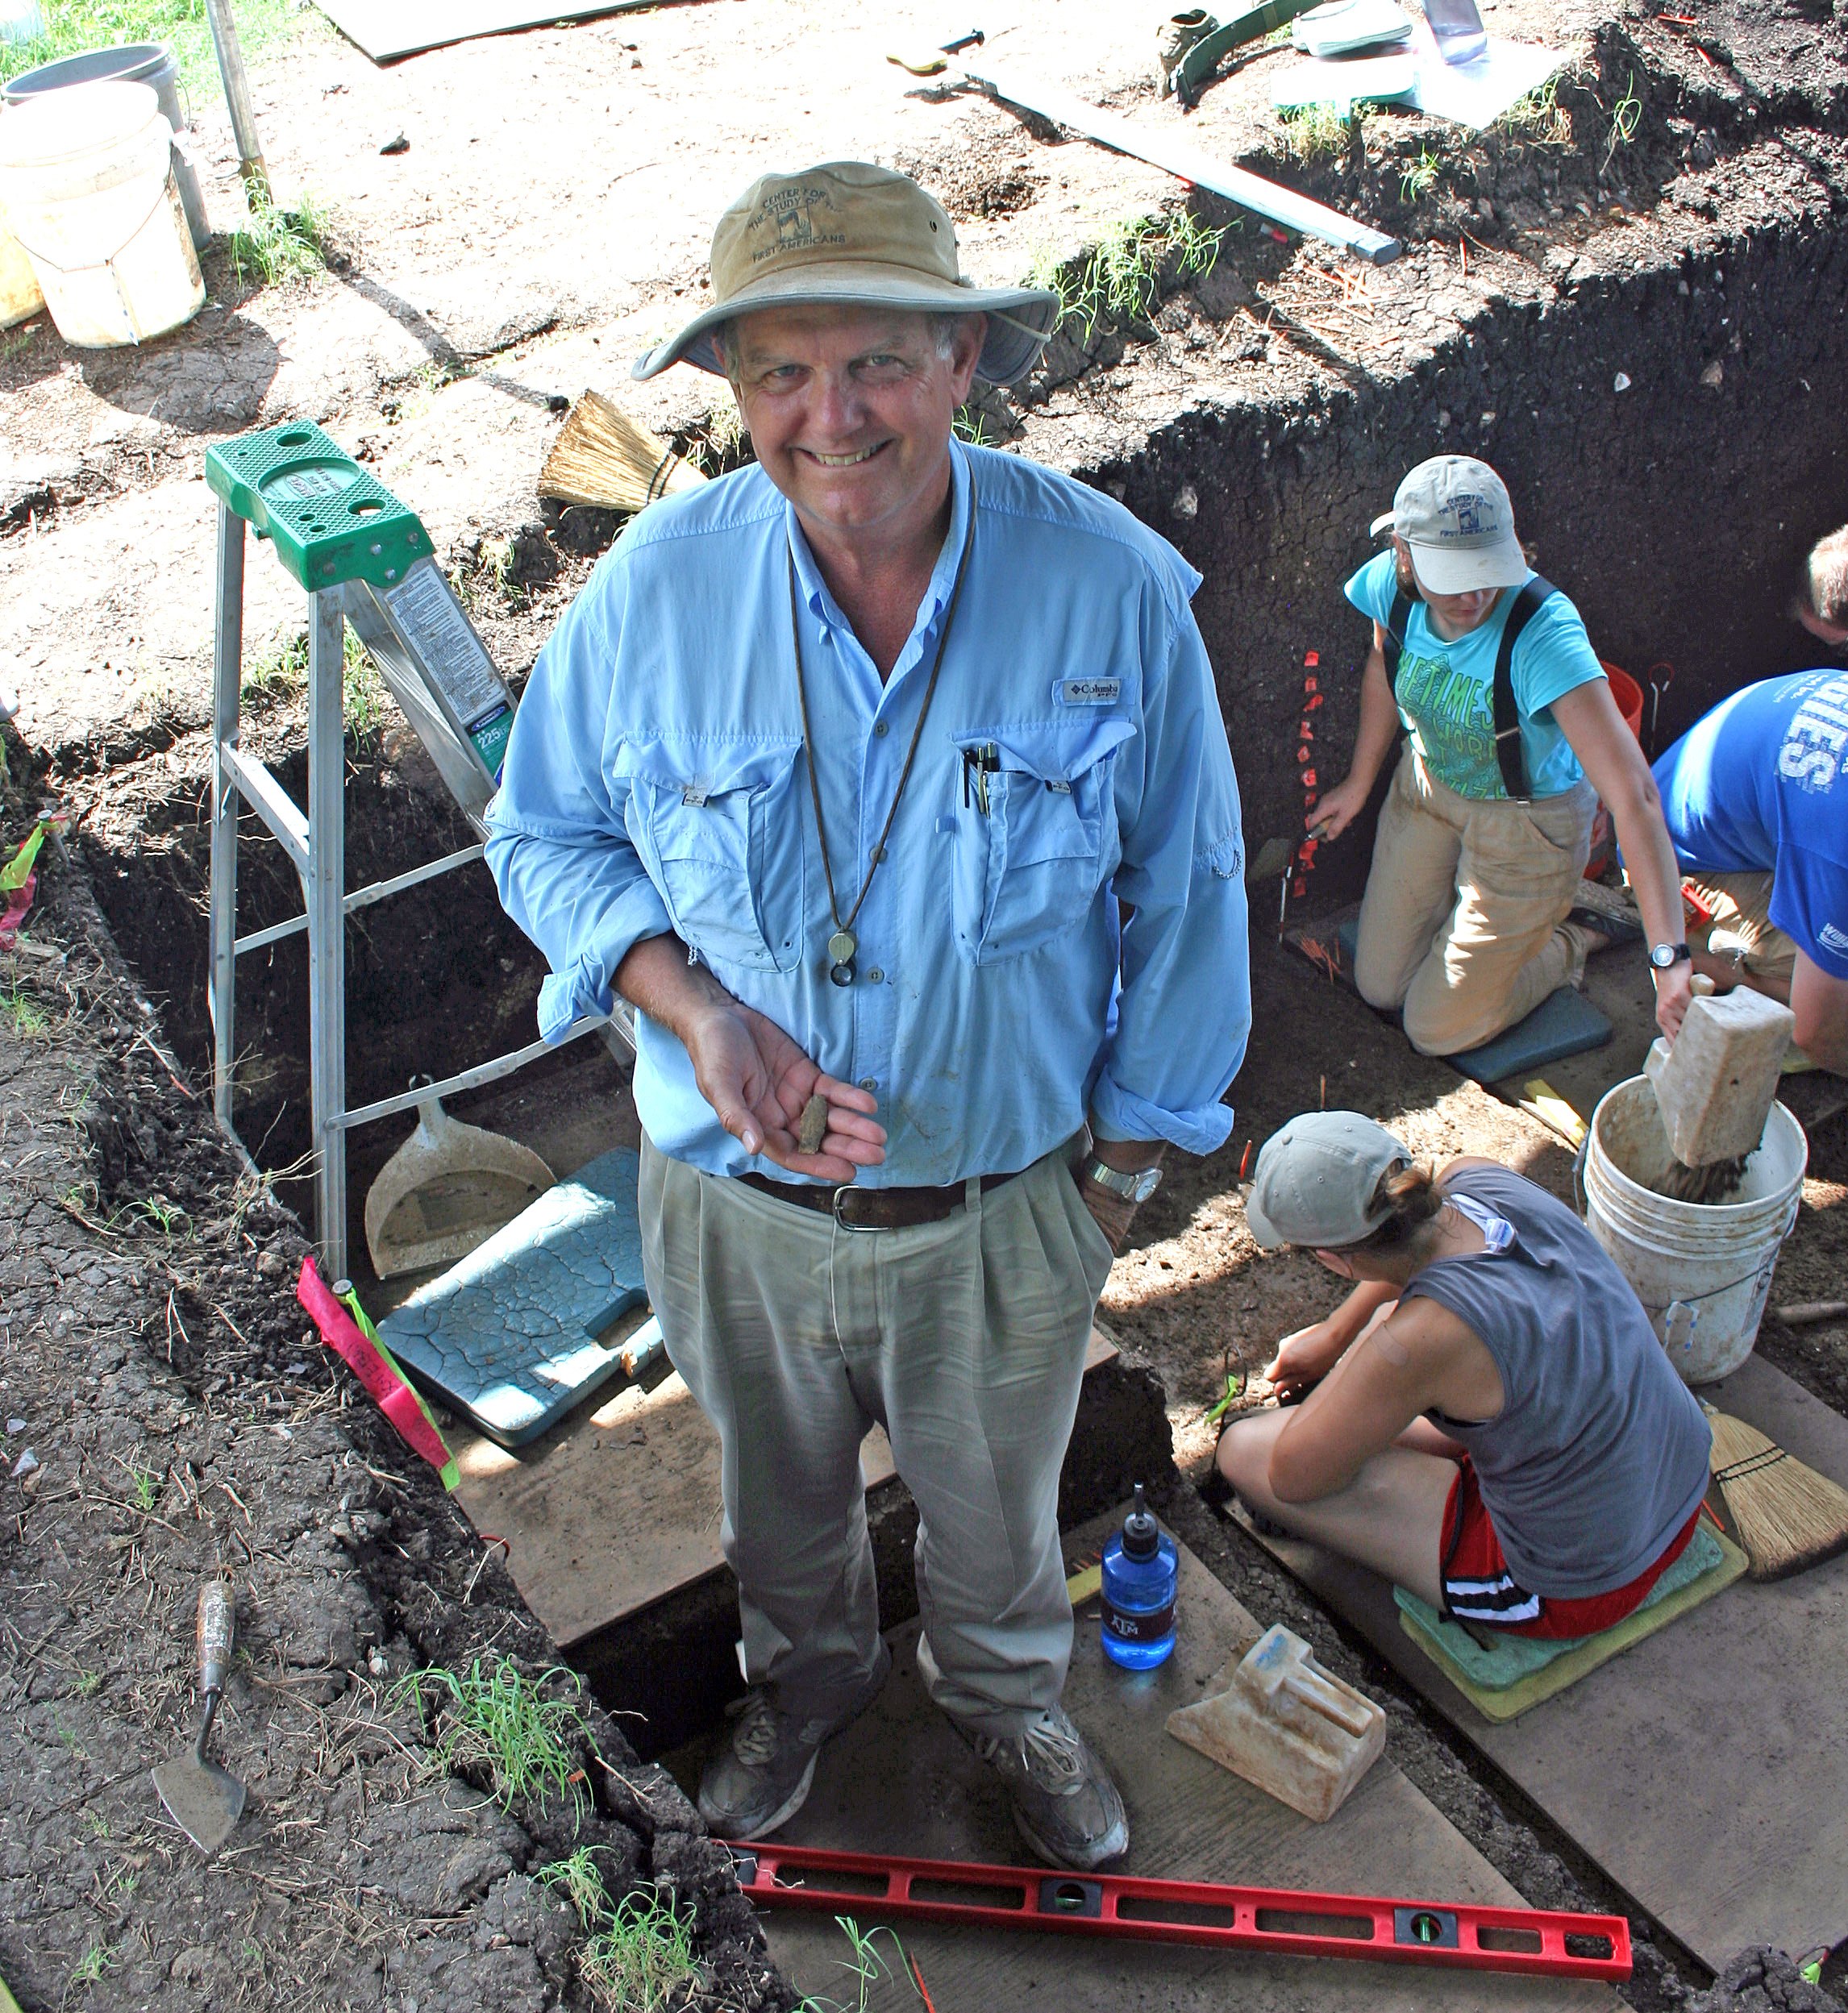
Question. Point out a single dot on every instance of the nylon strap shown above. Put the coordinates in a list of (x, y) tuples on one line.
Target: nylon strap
[(1509, 753)]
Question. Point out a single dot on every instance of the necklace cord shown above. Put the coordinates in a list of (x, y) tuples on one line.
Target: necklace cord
[(846, 923)]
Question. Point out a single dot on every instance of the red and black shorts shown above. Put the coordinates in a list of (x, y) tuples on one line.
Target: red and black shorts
[(1478, 1588)]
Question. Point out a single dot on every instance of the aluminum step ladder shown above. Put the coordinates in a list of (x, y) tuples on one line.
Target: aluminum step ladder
[(363, 558)]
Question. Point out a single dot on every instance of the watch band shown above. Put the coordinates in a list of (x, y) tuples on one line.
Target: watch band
[(1677, 954), (1135, 1187)]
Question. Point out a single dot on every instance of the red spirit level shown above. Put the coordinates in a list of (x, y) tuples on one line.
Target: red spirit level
[(1533, 1942)]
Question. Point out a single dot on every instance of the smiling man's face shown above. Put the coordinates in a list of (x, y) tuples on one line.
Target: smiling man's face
[(850, 411)]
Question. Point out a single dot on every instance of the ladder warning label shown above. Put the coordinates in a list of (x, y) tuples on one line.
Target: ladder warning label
[(451, 654)]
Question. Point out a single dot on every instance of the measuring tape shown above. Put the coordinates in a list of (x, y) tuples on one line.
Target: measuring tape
[(1458, 1936)]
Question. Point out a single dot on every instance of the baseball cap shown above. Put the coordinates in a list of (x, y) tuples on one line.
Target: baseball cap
[(1316, 1181), (849, 235), (1454, 512)]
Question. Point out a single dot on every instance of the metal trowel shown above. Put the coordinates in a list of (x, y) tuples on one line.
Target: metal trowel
[(203, 1799)]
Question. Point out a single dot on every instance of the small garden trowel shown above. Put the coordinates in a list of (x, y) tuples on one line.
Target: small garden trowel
[(203, 1799)]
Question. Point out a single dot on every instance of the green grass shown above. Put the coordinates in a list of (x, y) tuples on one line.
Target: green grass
[(90, 1967), (1315, 132), (277, 244), (1540, 117), (73, 26), (1120, 279), (1419, 178), (279, 674), (144, 1480), (866, 1970), (501, 1720), (28, 1020), (1626, 115), (637, 1955)]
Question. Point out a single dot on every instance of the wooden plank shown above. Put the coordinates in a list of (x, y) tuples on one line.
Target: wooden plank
[(900, 1781), (619, 1505), (1705, 1770)]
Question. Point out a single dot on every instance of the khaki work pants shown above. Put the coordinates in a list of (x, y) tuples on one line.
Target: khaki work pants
[(965, 1340), (1740, 905), (1463, 924)]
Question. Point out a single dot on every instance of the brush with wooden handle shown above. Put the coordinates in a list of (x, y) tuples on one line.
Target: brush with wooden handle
[(602, 458), (1786, 1515)]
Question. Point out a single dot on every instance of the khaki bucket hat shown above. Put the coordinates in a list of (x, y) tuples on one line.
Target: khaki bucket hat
[(850, 235)]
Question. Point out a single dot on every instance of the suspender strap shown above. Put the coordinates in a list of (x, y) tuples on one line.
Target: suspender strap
[(1397, 616), (1508, 751)]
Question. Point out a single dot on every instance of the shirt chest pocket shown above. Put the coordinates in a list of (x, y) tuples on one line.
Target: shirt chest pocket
[(1034, 830), (720, 832)]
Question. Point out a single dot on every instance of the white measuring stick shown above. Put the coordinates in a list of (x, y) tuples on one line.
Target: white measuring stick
[(1252, 192)]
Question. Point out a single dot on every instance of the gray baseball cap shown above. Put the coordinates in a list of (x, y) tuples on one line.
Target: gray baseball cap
[(1454, 512), (1316, 1181)]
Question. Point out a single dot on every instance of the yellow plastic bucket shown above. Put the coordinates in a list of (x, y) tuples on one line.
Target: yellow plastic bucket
[(87, 184)]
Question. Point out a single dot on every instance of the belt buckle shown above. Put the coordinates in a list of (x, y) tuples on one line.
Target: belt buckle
[(842, 1222)]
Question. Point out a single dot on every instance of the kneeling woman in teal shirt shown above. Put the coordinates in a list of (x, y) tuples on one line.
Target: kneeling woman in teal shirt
[(1484, 835)]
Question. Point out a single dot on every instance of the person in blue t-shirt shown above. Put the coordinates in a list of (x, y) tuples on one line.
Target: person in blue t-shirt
[(1756, 798), (1464, 923)]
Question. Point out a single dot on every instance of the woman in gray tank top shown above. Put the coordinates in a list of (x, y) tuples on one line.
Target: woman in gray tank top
[(1492, 1423)]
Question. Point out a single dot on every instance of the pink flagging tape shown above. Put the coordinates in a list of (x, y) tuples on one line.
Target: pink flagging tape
[(371, 1362), (18, 901)]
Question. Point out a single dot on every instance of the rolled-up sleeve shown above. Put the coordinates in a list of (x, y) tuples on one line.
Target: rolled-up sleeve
[(558, 845), (1185, 1011)]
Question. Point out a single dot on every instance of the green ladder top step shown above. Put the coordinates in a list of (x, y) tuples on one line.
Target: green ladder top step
[(329, 520)]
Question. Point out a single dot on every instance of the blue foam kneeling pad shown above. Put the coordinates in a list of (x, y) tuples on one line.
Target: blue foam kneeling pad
[(1565, 1023), (508, 1336)]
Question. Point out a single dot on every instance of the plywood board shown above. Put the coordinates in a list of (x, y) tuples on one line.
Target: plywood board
[(900, 1781), (388, 29), (1705, 1770), (618, 1506)]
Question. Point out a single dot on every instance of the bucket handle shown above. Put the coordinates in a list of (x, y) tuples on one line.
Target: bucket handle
[(170, 186), (1692, 1300)]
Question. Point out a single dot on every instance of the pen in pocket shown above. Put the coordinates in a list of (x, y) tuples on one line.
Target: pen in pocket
[(980, 762)]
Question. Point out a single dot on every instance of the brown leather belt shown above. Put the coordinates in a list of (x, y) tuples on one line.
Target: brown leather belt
[(855, 1208)]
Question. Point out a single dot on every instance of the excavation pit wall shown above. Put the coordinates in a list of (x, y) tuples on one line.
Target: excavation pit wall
[(1673, 511)]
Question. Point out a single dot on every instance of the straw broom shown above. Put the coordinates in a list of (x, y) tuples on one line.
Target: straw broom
[(602, 458), (1787, 1516)]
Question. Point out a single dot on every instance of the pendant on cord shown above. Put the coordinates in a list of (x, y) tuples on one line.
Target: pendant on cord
[(842, 946)]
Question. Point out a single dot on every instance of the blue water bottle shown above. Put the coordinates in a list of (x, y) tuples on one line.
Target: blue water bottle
[(1142, 1567)]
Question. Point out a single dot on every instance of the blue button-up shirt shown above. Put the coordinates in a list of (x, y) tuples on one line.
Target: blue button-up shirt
[(1074, 758)]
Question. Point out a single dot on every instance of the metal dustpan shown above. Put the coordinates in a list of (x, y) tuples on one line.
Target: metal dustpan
[(204, 1800), (449, 1187)]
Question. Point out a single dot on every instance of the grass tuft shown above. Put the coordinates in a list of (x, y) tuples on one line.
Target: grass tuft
[(501, 1720), (1120, 280), (277, 245), (1419, 178), (24, 1015), (74, 26), (637, 1955), (1626, 115), (865, 1968), (1315, 132), (1539, 116)]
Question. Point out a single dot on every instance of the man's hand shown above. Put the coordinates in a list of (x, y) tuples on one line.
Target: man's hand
[(1304, 1358), (1111, 1213), (757, 1081)]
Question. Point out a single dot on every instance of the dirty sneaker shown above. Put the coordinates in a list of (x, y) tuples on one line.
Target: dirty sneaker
[(1175, 36), (1065, 1806), (760, 1779)]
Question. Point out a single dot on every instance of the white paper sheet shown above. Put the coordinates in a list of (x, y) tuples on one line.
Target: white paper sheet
[(1478, 93), (1375, 79)]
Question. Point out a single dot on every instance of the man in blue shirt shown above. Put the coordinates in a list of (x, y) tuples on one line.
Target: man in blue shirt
[(1756, 799), (887, 778)]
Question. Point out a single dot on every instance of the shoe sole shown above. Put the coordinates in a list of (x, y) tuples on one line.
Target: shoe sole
[(1110, 1848)]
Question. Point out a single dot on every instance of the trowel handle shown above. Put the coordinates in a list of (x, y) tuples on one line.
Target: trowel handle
[(215, 1630)]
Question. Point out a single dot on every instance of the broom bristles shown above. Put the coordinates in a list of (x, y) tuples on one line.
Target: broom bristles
[(1787, 1516), (602, 458)]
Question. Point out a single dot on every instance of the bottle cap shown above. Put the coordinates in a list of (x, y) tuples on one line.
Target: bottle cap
[(1141, 1534)]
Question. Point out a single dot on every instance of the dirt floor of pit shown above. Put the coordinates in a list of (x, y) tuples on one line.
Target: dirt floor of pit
[(537, 232)]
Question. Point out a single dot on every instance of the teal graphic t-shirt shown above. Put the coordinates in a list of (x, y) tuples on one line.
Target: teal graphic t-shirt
[(1447, 691)]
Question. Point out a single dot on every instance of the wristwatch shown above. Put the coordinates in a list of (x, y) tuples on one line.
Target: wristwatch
[(1132, 1188), (1664, 957)]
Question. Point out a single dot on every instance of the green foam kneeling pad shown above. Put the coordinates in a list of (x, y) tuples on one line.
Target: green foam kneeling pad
[(1506, 1675)]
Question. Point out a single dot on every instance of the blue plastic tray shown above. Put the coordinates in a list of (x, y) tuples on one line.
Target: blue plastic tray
[(508, 1337)]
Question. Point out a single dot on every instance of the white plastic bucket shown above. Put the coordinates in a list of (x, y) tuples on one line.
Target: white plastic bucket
[(1702, 1269), (19, 295), (86, 179)]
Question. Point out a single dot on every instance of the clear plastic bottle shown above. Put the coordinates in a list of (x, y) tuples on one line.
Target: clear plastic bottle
[(1141, 1568)]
